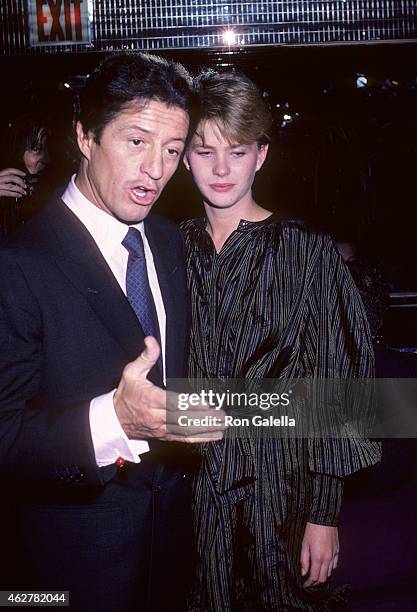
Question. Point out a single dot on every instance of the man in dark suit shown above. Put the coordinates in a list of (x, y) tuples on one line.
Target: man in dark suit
[(102, 494)]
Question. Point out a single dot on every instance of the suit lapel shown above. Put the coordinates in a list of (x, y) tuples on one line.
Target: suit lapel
[(82, 262)]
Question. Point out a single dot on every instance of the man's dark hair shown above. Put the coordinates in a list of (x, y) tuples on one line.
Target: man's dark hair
[(121, 78)]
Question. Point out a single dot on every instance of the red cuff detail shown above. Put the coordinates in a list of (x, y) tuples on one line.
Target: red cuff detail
[(120, 462)]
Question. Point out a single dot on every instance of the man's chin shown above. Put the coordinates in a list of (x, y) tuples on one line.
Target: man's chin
[(134, 216)]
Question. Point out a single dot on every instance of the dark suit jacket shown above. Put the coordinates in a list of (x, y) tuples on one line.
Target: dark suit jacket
[(66, 333)]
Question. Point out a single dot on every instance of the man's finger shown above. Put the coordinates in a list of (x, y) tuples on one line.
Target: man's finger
[(208, 437), (198, 416), (195, 421), (193, 432)]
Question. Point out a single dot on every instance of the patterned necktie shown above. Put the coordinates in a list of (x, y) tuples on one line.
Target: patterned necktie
[(138, 290)]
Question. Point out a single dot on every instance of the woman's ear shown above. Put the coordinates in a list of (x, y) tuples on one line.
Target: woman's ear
[(262, 153)]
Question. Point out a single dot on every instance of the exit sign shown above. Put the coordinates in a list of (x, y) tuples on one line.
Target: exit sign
[(58, 22)]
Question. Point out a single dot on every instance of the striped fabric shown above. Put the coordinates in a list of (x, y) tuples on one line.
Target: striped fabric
[(275, 302)]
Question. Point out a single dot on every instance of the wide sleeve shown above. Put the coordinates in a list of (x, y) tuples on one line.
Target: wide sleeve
[(326, 499), (342, 355)]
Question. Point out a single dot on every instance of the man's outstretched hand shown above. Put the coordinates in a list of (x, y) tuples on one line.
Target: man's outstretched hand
[(147, 411)]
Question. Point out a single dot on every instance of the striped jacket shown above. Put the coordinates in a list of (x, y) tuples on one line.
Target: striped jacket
[(277, 301)]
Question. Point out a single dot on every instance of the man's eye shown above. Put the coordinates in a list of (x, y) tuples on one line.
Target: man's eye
[(136, 141), (173, 152), (239, 153), (203, 153)]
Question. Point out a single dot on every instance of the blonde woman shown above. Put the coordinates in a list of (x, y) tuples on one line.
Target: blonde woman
[(269, 299)]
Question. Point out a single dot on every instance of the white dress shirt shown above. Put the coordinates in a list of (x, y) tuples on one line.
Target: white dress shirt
[(109, 439)]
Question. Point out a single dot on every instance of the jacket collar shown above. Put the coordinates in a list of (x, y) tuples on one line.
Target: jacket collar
[(81, 261)]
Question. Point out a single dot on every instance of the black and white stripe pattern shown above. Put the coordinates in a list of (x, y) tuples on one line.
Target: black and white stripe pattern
[(275, 302)]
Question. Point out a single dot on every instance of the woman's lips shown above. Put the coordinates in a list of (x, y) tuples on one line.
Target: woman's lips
[(222, 187)]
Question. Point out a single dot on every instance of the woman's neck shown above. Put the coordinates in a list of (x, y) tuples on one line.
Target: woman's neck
[(221, 222)]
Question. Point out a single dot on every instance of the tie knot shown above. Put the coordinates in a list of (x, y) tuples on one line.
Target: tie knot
[(133, 242)]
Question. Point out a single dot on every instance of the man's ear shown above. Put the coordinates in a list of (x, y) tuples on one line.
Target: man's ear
[(185, 160), (84, 140), (262, 153)]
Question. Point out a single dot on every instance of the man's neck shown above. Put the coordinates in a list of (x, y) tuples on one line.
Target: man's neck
[(82, 184)]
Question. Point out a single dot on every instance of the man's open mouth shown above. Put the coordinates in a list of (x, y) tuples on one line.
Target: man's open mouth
[(143, 195)]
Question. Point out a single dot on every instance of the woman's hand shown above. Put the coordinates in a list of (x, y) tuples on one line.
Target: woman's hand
[(319, 553), (12, 184)]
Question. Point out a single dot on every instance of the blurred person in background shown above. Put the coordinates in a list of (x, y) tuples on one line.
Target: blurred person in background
[(23, 166), (399, 457)]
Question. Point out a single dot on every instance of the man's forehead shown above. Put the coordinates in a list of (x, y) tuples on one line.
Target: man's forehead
[(152, 113), (136, 105), (142, 105)]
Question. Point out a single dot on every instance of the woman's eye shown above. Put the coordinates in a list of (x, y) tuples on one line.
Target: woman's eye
[(203, 153), (239, 153)]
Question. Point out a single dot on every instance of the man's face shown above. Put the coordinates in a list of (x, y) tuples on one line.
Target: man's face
[(138, 152)]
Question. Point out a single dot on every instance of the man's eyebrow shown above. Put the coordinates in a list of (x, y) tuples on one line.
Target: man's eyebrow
[(134, 126)]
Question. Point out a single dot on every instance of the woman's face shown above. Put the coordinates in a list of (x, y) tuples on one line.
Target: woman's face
[(36, 159), (223, 172)]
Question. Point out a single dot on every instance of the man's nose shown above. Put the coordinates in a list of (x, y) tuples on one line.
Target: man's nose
[(153, 164), (221, 167)]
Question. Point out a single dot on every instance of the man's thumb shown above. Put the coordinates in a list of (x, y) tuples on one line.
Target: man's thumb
[(147, 358)]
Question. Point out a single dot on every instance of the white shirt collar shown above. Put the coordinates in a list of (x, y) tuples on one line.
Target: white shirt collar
[(107, 231)]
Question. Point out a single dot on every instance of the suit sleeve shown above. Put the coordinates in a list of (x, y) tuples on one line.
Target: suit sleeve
[(343, 352), (41, 445)]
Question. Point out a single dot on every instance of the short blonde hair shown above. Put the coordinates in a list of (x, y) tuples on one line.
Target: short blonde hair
[(235, 104)]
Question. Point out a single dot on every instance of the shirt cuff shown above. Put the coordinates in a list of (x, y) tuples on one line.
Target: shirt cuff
[(109, 440), (327, 499)]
